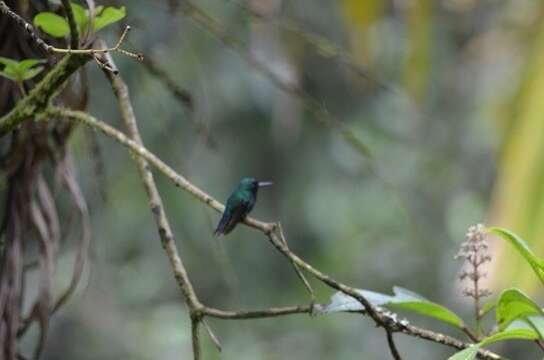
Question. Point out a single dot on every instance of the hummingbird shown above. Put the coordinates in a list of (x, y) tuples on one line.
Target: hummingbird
[(239, 204)]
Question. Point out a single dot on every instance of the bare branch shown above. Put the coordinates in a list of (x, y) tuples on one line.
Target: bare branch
[(195, 322), (256, 314)]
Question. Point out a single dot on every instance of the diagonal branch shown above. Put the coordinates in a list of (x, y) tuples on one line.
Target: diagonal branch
[(320, 114), (385, 320), (4, 9), (157, 208), (182, 95)]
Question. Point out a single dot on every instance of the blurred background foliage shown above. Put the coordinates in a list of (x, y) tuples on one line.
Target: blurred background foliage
[(450, 110)]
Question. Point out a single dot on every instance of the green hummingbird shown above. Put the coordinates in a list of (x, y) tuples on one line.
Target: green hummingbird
[(239, 204)]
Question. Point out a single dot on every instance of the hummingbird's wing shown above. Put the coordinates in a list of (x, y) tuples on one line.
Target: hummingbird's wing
[(231, 217)]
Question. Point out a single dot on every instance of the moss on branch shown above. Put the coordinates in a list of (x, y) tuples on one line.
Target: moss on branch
[(40, 97)]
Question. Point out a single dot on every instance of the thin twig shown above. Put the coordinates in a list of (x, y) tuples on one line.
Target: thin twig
[(214, 338), (297, 270), (392, 347)]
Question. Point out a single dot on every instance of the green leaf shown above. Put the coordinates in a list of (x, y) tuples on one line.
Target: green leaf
[(402, 300), (109, 16), (52, 24), (513, 304), (28, 63), (8, 75), (8, 62), (81, 18), (467, 354), (20, 70), (409, 301), (515, 334), (521, 246), (517, 331), (30, 73)]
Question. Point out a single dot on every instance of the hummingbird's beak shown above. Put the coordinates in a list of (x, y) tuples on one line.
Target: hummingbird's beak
[(265, 183)]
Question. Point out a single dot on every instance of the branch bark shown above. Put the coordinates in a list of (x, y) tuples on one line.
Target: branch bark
[(157, 208)]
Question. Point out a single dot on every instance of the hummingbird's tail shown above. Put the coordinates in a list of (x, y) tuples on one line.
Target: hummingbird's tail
[(226, 224), (222, 226)]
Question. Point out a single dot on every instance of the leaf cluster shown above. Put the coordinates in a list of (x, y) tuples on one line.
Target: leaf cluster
[(57, 26), (20, 71), (517, 316)]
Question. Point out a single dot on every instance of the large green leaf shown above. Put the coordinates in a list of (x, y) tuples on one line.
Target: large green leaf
[(402, 300), (52, 24), (109, 16), (513, 304), (521, 246), (517, 331)]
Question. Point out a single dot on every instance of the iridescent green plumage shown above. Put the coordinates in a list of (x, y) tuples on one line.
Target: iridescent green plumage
[(239, 204)]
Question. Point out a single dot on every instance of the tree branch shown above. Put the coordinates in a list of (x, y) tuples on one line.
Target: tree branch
[(269, 229), (157, 208), (256, 314), (74, 34), (392, 347), (195, 323), (4, 9)]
